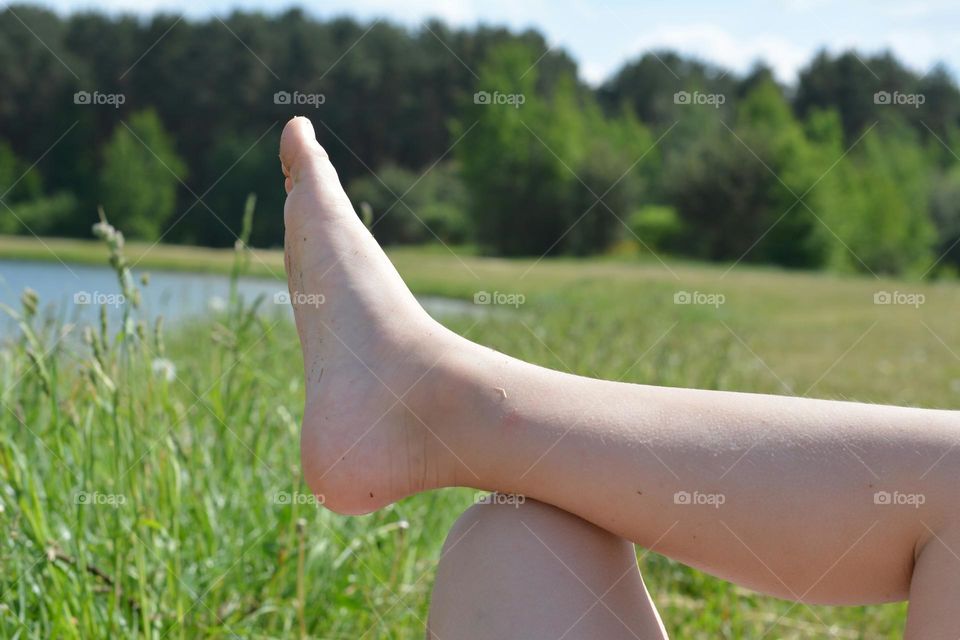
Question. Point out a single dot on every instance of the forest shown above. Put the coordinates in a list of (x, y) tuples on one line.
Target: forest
[(475, 137)]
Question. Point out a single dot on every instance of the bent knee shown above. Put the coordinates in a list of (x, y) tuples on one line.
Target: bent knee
[(502, 510), (514, 567), (518, 522)]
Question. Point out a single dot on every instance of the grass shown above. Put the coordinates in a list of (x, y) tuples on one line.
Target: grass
[(146, 255), (140, 503)]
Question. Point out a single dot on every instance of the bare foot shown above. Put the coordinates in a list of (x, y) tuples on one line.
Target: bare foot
[(377, 399)]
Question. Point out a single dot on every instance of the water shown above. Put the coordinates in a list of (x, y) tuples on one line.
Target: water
[(73, 293)]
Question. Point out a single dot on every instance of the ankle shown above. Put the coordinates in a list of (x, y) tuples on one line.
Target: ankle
[(472, 418), (444, 400)]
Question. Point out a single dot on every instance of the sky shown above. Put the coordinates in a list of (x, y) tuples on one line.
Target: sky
[(601, 36)]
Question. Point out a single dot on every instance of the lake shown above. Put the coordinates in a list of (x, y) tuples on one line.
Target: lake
[(74, 292)]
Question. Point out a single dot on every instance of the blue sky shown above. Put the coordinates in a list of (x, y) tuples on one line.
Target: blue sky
[(601, 35)]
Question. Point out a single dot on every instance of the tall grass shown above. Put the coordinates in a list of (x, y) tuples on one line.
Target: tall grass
[(150, 483), (152, 489)]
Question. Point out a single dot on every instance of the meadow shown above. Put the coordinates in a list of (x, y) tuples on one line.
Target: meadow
[(149, 475)]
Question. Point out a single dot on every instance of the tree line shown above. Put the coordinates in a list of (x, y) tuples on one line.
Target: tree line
[(475, 136)]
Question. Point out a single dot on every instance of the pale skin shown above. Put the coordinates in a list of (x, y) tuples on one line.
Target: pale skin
[(782, 491)]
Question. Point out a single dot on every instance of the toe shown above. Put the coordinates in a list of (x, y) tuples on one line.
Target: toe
[(300, 152)]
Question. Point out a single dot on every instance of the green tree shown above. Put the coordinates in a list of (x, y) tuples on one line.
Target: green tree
[(511, 158), (614, 167), (737, 190), (945, 213), (246, 165), (139, 176), (864, 89), (876, 210), (545, 171), (649, 83)]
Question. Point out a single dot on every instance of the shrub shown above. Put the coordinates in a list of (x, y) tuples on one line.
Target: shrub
[(42, 216), (410, 207), (657, 226), (18, 181)]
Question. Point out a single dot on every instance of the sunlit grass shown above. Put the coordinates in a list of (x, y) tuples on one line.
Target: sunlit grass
[(149, 478)]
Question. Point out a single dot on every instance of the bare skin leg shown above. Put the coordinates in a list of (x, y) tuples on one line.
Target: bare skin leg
[(935, 589), (783, 492), (534, 571)]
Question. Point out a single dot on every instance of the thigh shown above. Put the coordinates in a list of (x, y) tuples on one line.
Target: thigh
[(533, 571)]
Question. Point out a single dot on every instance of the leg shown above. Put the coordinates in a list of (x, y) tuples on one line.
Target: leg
[(935, 590), (777, 494), (534, 571)]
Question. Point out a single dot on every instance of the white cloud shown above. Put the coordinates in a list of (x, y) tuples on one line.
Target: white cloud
[(594, 73), (738, 53)]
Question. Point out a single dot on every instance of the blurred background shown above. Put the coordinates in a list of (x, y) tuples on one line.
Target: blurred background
[(745, 196), (730, 127)]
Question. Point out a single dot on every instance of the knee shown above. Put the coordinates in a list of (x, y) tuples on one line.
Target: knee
[(499, 510), (514, 564), (514, 521)]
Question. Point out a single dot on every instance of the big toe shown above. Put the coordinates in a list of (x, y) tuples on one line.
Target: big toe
[(300, 153)]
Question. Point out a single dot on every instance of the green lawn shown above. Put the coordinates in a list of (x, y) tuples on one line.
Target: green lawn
[(137, 505)]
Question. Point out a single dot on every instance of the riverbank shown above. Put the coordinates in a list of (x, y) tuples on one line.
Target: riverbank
[(428, 269), (146, 255)]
